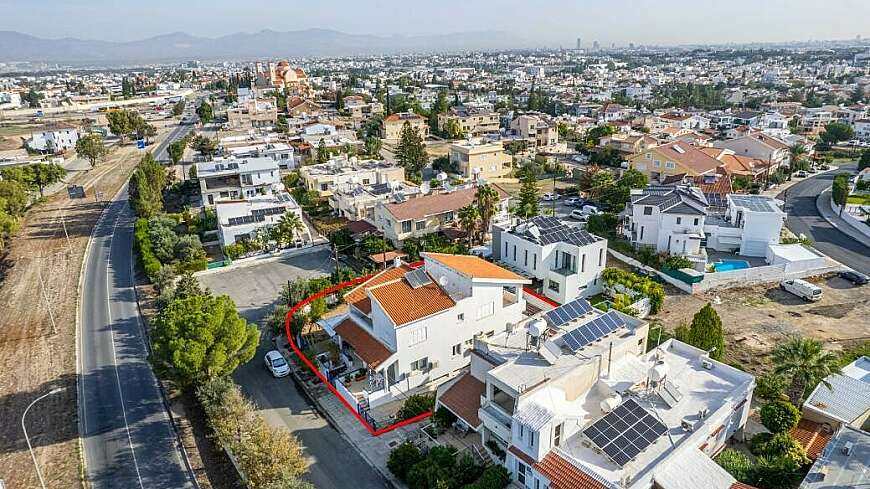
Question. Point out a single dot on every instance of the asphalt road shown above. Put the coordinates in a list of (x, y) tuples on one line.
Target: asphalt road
[(804, 218), (333, 462), (127, 436)]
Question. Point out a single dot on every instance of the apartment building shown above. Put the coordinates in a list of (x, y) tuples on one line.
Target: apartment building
[(252, 114), (535, 130), (675, 158), (473, 122), (240, 220), (391, 127), (477, 159), (748, 225), (814, 120), (759, 145), (53, 138), (669, 219), (360, 109), (567, 261), (358, 202), (238, 178), (282, 153), (862, 129), (324, 178), (431, 213), (410, 329), (628, 143), (575, 401)]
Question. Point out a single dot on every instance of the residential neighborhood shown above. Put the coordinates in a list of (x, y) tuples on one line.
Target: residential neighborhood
[(435, 246)]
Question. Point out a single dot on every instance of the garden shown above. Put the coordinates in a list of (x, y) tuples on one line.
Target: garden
[(443, 467)]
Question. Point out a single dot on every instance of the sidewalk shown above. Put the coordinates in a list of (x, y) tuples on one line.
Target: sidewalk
[(375, 450), (823, 204)]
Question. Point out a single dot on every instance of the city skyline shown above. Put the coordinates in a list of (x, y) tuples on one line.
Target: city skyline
[(621, 22)]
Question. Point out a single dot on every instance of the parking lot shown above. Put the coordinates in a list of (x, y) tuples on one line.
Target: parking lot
[(756, 319)]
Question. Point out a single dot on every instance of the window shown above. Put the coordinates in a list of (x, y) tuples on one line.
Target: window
[(365, 181), (457, 349), (448, 216), (420, 365), (420, 225), (534, 261), (641, 233), (679, 220), (649, 156), (526, 258), (583, 263), (670, 165), (324, 186), (601, 257), (640, 166), (657, 163), (552, 285), (406, 226), (505, 250), (515, 252), (647, 211), (460, 316), (417, 336), (486, 310), (521, 473), (557, 435), (696, 221)]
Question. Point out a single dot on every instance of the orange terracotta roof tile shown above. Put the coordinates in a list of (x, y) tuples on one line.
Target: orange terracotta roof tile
[(521, 455), (740, 485), (434, 204), (562, 474), (463, 399), (387, 256), (405, 304), (474, 267), (358, 297), (812, 436), (370, 350)]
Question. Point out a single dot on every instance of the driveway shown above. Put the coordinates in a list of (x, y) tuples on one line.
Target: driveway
[(333, 462), (804, 218)]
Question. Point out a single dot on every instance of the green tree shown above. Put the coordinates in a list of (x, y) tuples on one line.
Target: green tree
[(864, 162), (120, 123), (178, 108), (603, 224), (288, 227), (779, 416), (176, 150), (805, 363), (836, 132), (840, 190), (705, 332), (373, 147), (42, 175), (205, 112), (411, 152), (92, 147), (796, 152), (205, 145), (453, 130), (528, 198), (281, 125), (13, 198), (146, 187), (202, 337), (322, 152), (736, 463), (487, 200), (469, 219), (402, 458)]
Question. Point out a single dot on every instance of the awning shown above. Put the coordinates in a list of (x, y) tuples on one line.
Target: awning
[(463, 399), (369, 350)]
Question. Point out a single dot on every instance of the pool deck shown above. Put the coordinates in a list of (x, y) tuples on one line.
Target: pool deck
[(754, 261)]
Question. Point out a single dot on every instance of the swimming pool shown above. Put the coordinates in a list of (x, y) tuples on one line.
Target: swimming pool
[(728, 265)]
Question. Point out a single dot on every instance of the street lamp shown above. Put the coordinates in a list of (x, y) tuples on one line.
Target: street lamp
[(24, 428)]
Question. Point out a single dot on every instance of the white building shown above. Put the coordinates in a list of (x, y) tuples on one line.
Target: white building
[(243, 219), (567, 260), (282, 153), (748, 225), (409, 329), (577, 403), (54, 138), (10, 100), (357, 201), (669, 219), (238, 178), (341, 170), (862, 129)]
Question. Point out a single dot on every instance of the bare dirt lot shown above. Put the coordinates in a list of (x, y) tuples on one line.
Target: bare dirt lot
[(33, 358), (756, 319)]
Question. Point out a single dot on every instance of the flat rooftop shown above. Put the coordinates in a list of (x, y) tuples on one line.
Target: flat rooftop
[(834, 469)]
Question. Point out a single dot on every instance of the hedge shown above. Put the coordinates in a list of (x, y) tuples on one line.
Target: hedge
[(641, 285), (150, 264)]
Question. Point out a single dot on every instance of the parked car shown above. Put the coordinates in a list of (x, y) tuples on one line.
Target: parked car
[(824, 167), (801, 174), (590, 210), (802, 289), (276, 364), (579, 215), (551, 196), (857, 278), (574, 201)]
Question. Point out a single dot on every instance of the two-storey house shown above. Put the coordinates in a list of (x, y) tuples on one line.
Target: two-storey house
[(669, 219), (674, 158), (567, 261), (391, 127), (747, 225), (476, 159), (237, 178), (324, 178), (473, 122), (759, 145)]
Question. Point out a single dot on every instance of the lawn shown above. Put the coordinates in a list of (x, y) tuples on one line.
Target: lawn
[(863, 199)]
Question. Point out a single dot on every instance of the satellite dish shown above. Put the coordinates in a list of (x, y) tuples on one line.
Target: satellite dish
[(442, 281), (442, 176), (425, 188)]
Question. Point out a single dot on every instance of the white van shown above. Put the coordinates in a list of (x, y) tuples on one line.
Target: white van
[(802, 289)]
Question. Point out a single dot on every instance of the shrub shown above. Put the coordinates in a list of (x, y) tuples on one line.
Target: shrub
[(677, 262), (758, 443), (705, 332), (779, 416), (782, 445), (602, 224), (773, 473), (444, 417), (436, 470), (416, 405), (495, 449), (735, 463), (770, 387), (402, 458), (642, 285), (142, 240), (494, 477), (233, 251)]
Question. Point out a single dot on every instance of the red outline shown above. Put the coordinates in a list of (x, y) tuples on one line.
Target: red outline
[(320, 375), (539, 296)]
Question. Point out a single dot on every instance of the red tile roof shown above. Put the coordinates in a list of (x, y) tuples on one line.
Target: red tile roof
[(434, 204), (358, 297), (463, 399), (387, 256), (812, 436), (740, 485), (562, 474), (521, 455), (405, 304), (474, 267), (370, 350)]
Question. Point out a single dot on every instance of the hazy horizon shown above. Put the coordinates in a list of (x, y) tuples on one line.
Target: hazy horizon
[(558, 23)]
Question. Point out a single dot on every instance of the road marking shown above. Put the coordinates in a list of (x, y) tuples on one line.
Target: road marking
[(115, 356)]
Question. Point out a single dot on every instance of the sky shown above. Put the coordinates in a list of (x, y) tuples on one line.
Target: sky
[(549, 23)]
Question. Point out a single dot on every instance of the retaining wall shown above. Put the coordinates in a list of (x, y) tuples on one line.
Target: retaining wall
[(852, 221)]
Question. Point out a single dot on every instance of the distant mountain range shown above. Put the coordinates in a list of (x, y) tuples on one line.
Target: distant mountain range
[(178, 46)]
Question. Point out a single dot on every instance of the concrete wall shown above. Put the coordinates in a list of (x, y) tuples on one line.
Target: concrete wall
[(851, 220)]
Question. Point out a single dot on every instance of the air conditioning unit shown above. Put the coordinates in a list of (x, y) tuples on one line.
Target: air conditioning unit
[(707, 364), (847, 448)]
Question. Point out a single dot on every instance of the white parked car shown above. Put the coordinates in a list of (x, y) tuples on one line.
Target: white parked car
[(573, 201), (802, 289), (551, 196), (276, 364), (590, 210), (579, 215)]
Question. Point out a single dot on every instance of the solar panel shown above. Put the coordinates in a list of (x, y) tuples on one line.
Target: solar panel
[(567, 312), (418, 278), (594, 330), (625, 432)]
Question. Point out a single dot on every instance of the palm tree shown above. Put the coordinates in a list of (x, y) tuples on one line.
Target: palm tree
[(487, 200), (288, 226), (468, 219), (806, 363), (797, 152)]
